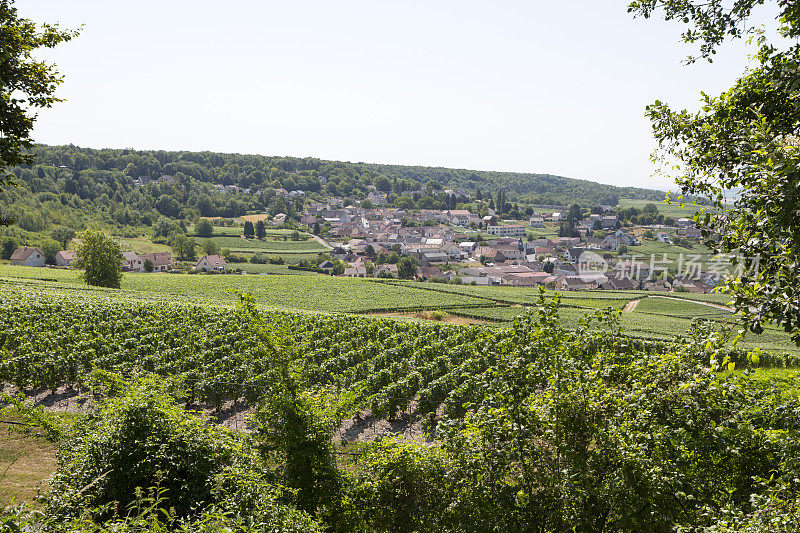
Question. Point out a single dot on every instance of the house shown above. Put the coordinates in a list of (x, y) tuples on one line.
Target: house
[(489, 220), (27, 256), (453, 251), (509, 230), (525, 279), (460, 217), (685, 223), (131, 262), (574, 283), (377, 197), (211, 262), (613, 242), (356, 271), (64, 258), (432, 258), (491, 255), (468, 247), (658, 286), (663, 237), (573, 254), (278, 219), (609, 221), (693, 233), (537, 221), (621, 284), (385, 270), (308, 220), (475, 280), (511, 251), (426, 273), (338, 252), (162, 261)]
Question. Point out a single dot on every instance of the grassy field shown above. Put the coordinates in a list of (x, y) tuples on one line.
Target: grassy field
[(26, 460), (672, 209), (654, 317), (659, 249), (310, 293), (141, 245), (549, 231), (238, 244)]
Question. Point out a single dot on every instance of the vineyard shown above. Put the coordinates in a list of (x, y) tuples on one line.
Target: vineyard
[(553, 387), (53, 335), (50, 338), (270, 246), (655, 317)]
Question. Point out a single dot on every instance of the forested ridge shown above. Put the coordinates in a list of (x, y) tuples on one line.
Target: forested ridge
[(104, 181)]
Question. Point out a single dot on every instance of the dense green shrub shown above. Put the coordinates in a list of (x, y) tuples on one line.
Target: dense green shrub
[(401, 487), (141, 440)]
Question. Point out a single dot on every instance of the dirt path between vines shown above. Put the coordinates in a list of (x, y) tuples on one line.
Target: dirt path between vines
[(234, 415), (448, 319), (322, 241), (631, 305)]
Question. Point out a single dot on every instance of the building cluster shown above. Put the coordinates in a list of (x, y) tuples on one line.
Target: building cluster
[(439, 241), (131, 261)]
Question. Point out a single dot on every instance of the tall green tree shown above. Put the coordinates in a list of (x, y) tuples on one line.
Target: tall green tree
[(101, 259), (28, 84), (249, 231), (7, 247), (746, 138), (184, 247), (407, 268), (261, 231), (62, 235), (204, 228)]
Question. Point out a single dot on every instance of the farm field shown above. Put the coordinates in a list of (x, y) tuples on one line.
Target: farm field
[(254, 268), (55, 332), (56, 335), (672, 209), (549, 231), (655, 317), (529, 295), (141, 245), (237, 244), (648, 248), (26, 459), (309, 293)]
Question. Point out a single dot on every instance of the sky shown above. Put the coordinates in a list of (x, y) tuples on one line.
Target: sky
[(520, 86)]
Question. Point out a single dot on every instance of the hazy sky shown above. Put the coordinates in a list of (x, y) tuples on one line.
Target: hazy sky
[(538, 86)]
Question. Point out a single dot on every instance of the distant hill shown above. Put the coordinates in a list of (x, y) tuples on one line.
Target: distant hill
[(336, 177), (76, 186)]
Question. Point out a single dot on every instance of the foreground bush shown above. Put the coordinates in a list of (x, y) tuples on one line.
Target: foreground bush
[(142, 440), (559, 430), (582, 430)]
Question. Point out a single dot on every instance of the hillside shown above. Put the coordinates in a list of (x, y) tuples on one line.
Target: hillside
[(77, 182)]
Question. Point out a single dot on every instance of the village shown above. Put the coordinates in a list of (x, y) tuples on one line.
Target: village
[(563, 248), (458, 246)]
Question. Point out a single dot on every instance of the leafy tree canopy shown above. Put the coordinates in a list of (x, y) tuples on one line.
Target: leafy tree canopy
[(101, 258), (28, 84), (745, 139)]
